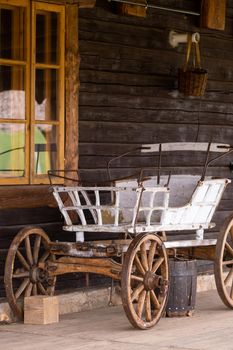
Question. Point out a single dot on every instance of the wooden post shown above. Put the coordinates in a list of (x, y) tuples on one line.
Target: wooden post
[(72, 87), (213, 14)]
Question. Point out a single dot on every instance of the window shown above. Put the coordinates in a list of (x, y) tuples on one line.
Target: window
[(31, 91)]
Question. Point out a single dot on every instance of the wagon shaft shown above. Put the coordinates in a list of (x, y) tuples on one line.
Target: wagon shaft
[(103, 266)]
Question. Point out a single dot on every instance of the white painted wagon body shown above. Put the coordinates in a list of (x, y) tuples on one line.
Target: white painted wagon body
[(145, 207)]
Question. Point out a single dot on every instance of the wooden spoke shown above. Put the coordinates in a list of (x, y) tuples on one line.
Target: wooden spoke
[(151, 254), (42, 289), (21, 274), (136, 278), (22, 260), (141, 303), (34, 289), (229, 248), (139, 265), (148, 307), (28, 290), (137, 291), (227, 262), (157, 264), (28, 250), (229, 277), (154, 300), (44, 256), (144, 256), (22, 287), (36, 249)]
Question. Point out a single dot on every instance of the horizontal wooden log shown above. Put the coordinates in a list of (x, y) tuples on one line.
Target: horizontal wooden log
[(105, 100), (26, 216), (160, 90), (25, 196), (113, 132)]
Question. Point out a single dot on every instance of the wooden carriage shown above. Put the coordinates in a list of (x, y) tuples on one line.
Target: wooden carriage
[(138, 210)]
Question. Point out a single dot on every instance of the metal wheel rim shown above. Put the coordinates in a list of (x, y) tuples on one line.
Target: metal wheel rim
[(136, 320), (17, 306), (222, 248)]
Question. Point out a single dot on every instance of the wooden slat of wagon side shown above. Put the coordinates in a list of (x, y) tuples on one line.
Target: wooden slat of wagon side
[(138, 228)]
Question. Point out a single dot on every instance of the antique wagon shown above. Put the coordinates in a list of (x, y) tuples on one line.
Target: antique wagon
[(139, 211)]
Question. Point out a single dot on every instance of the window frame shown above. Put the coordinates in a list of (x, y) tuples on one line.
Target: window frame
[(23, 63), (30, 64), (60, 67)]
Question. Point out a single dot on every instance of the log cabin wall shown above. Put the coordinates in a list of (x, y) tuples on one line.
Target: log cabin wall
[(129, 96)]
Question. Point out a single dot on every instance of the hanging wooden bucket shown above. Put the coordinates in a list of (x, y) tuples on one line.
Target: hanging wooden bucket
[(213, 13), (192, 82), (192, 79)]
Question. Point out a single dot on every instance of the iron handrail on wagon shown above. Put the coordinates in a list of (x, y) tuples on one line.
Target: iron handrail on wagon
[(139, 211)]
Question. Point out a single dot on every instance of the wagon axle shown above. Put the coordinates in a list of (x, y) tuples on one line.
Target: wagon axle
[(37, 274), (152, 281)]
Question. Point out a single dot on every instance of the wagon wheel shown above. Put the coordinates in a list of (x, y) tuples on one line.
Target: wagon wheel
[(144, 280), (23, 277), (223, 267)]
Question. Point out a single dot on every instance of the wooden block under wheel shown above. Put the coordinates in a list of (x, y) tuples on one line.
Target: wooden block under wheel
[(41, 309)]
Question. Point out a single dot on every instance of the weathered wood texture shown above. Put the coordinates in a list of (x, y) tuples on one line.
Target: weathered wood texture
[(132, 10), (41, 309), (72, 87), (26, 197), (213, 14)]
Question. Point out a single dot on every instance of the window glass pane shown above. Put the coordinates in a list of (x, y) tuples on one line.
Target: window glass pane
[(46, 152), (47, 38), (12, 150), (12, 92), (46, 104), (12, 32)]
